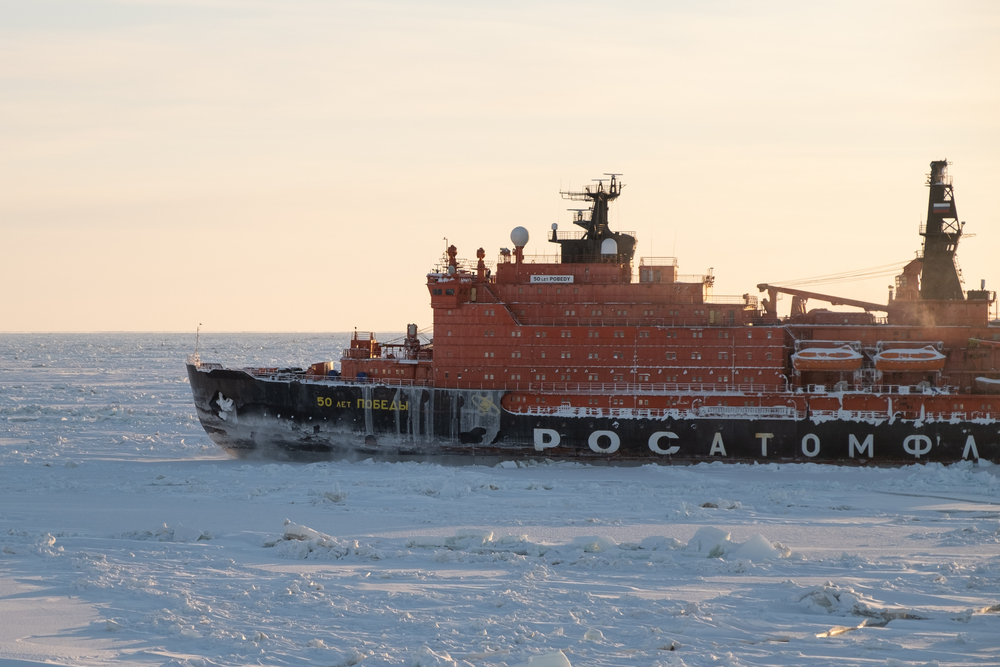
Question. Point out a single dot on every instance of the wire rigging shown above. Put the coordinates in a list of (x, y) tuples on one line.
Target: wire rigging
[(847, 276)]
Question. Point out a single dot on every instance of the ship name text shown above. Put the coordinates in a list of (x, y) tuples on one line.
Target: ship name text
[(666, 443), (551, 279), (363, 404)]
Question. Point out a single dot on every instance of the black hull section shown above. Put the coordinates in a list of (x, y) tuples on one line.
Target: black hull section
[(249, 416)]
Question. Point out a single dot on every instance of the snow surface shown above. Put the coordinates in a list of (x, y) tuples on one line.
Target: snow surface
[(127, 537)]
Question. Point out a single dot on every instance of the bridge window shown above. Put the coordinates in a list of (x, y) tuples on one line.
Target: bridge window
[(671, 355)]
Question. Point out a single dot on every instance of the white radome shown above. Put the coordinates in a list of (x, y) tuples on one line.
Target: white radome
[(519, 237)]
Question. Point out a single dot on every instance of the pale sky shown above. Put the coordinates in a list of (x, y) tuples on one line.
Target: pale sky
[(296, 165)]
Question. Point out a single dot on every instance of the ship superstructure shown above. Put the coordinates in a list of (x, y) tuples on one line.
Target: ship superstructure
[(592, 355)]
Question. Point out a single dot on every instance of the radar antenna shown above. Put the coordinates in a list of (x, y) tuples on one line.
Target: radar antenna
[(588, 248)]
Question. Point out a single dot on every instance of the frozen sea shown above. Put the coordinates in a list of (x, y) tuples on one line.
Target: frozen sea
[(128, 538)]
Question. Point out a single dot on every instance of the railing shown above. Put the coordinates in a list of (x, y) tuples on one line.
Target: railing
[(760, 412), (643, 388), (618, 321), (927, 415), (657, 261), (750, 301), (747, 411), (572, 388), (576, 236), (542, 259), (567, 236), (901, 390), (584, 388)]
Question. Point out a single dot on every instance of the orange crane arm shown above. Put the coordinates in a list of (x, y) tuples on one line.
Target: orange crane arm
[(774, 290)]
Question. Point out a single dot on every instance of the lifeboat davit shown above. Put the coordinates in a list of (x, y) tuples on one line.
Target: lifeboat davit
[(827, 359), (910, 359)]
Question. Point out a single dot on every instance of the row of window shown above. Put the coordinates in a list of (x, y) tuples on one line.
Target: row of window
[(620, 377), (695, 356), (642, 333)]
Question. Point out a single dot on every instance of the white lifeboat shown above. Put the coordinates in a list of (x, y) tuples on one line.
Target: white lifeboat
[(827, 359), (988, 385), (910, 359)]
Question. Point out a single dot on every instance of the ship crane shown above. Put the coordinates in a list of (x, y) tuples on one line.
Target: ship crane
[(800, 297)]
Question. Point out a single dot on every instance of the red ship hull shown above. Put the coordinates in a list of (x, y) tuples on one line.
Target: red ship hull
[(590, 358)]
